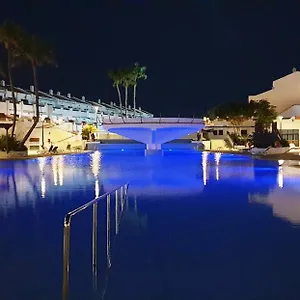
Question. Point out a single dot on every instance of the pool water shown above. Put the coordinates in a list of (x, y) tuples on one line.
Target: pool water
[(194, 226)]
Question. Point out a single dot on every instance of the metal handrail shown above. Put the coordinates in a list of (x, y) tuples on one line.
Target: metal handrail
[(159, 120), (162, 122), (67, 229)]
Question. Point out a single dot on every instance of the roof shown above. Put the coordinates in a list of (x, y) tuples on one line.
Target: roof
[(78, 100), (296, 73), (47, 95), (66, 98)]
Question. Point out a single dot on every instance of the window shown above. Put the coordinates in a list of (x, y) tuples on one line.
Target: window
[(215, 132), (244, 132), (292, 135), (221, 132)]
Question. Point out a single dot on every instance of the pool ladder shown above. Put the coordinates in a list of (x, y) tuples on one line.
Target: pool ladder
[(121, 192)]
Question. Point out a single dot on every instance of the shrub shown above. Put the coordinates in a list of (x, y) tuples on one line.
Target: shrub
[(238, 139), (284, 143), (87, 130), (13, 144)]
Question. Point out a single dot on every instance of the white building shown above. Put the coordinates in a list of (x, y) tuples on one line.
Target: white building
[(61, 116), (61, 108), (285, 95)]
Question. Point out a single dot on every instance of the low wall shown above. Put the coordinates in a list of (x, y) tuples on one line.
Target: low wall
[(13, 154), (119, 141), (94, 146)]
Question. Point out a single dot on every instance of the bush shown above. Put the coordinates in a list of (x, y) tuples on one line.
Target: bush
[(13, 144), (284, 143), (238, 139), (87, 130)]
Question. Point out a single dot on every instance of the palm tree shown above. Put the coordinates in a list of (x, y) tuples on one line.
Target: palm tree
[(2, 72), (10, 36), (126, 82), (116, 76), (37, 53), (138, 73)]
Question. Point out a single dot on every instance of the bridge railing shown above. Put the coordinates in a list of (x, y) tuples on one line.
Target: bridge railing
[(159, 120), (120, 192)]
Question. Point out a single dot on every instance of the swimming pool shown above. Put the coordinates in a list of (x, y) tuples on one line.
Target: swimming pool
[(195, 226)]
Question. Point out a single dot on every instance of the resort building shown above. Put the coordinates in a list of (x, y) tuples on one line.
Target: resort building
[(216, 135), (285, 95), (62, 117)]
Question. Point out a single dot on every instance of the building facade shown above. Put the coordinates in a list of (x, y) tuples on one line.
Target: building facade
[(285, 96), (62, 117), (61, 108)]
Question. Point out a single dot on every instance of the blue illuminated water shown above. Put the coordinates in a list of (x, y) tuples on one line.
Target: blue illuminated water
[(196, 226)]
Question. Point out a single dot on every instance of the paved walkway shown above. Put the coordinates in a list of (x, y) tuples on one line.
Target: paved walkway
[(43, 155)]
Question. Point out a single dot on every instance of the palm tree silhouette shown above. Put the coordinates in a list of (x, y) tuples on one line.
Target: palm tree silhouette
[(37, 53), (116, 76), (138, 73), (10, 37)]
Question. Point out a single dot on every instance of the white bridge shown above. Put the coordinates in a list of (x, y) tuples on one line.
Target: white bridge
[(153, 131)]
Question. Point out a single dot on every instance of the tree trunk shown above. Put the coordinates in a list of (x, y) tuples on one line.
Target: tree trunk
[(134, 99), (7, 142), (37, 104), (120, 98), (126, 100), (9, 64)]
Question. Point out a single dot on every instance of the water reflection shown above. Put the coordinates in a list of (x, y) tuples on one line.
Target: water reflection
[(42, 163), (23, 183), (95, 166), (280, 177), (282, 196), (61, 170), (108, 236), (214, 186), (55, 169), (95, 163), (97, 188), (18, 188), (217, 160), (204, 167)]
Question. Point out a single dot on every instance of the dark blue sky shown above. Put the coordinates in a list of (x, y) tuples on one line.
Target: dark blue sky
[(198, 52)]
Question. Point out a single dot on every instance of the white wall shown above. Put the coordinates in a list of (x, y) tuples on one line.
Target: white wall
[(288, 123), (285, 92), (62, 108)]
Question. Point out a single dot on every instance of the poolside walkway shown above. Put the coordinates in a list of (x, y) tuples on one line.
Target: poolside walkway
[(43, 155)]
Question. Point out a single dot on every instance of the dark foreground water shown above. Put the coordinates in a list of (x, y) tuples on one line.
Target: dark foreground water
[(195, 226)]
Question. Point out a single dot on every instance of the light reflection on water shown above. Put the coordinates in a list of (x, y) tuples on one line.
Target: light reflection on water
[(26, 182), (42, 190), (282, 197)]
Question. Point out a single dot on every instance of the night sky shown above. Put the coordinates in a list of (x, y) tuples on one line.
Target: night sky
[(198, 52)]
